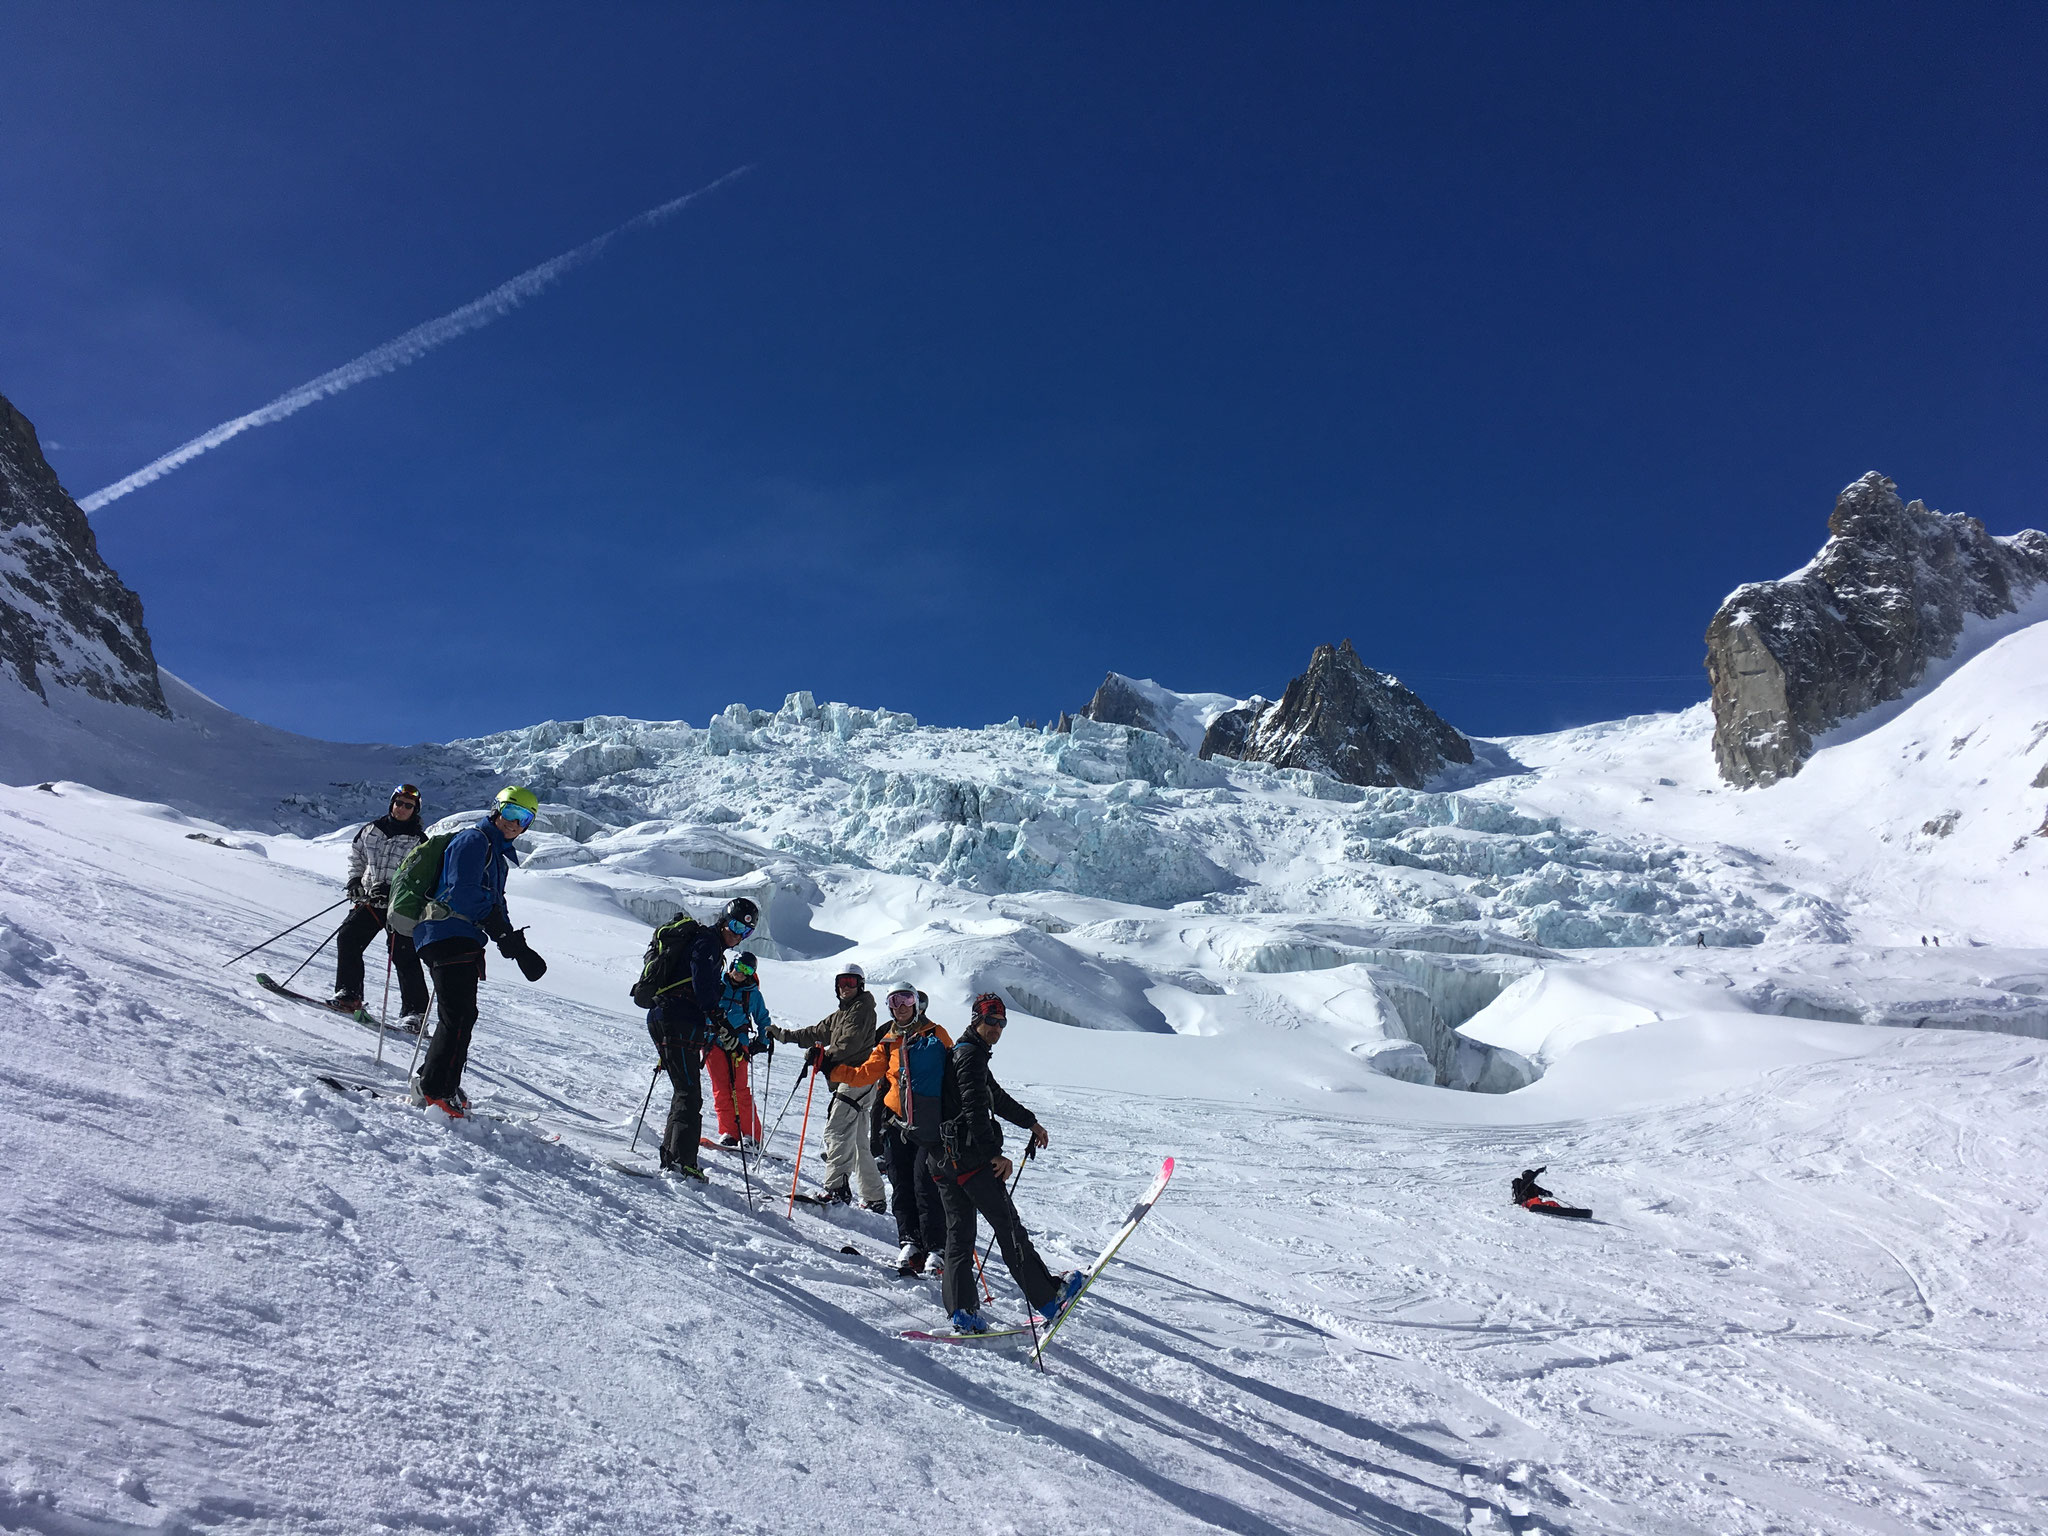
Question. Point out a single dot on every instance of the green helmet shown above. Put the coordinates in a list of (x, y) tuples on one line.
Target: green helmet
[(525, 799)]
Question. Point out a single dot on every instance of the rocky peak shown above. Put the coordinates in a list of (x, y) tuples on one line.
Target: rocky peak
[(1344, 720), (1887, 594), (66, 620)]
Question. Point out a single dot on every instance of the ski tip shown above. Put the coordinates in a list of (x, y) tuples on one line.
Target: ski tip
[(1166, 1168)]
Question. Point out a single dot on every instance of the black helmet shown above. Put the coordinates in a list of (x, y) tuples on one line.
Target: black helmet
[(741, 916), (744, 968)]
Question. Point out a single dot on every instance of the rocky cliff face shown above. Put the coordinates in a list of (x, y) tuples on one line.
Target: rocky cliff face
[(1887, 594), (1344, 720), (66, 620), (1119, 702)]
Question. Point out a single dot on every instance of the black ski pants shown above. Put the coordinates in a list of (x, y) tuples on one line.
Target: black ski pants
[(913, 1197), (981, 1191), (364, 923), (682, 1054), (458, 967)]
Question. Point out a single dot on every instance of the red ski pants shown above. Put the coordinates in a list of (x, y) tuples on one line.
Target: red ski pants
[(729, 1087)]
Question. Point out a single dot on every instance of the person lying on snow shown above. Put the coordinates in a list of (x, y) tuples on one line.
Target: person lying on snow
[(1531, 1196)]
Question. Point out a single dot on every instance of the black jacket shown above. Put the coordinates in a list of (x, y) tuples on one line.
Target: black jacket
[(969, 1101)]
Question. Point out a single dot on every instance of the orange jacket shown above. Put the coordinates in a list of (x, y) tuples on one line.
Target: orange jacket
[(885, 1064)]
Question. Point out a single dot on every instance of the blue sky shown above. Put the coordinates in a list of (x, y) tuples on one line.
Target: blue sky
[(1503, 339)]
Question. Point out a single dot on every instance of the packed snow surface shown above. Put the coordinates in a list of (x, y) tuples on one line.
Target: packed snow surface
[(241, 1300)]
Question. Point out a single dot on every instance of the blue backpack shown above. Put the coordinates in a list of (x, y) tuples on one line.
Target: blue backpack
[(922, 1080)]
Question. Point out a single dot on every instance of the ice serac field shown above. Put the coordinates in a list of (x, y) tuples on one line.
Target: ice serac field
[(236, 1300)]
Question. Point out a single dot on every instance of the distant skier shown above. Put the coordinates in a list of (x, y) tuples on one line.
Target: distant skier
[(845, 1037), (742, 1035), (911, 1060), (1531, 1196), (971, 1174), (373, 858), (687, 1017), (467, 907)]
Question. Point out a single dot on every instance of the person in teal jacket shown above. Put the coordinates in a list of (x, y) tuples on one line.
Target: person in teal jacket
[(740, 1034)]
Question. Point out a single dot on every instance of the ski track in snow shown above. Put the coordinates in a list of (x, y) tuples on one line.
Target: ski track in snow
[(241, 1301)]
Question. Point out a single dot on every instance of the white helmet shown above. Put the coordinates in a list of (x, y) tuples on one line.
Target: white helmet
[(852, 968)]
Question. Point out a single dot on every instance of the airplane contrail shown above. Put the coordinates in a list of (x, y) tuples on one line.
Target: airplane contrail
[(409, 348)]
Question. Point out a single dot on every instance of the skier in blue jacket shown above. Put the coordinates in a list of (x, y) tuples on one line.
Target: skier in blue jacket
[(467, 907), (743, 1035)]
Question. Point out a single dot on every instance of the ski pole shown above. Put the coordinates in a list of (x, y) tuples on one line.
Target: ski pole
[(384, 1012), (785, 1107), (316, 950), (1030, 1151), (732, 1072), (433, 995), (800, 1135), (295, 927), (637, 1124)]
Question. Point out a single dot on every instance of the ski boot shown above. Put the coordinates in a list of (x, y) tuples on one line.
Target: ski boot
[(412, 1023), (344, 1002), (910, 1260), (837, 1195), (1070, 1287), (728, 1142), (970, 1322), (880, 1206)]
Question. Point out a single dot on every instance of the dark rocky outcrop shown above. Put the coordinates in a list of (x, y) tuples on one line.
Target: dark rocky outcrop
[(1887, 594), (66, 620), (1344, 720), (1118, 702)]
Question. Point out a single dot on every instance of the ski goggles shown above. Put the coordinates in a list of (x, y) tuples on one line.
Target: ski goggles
[(739, 928), (518, 815), (739, 970), (903, 999)]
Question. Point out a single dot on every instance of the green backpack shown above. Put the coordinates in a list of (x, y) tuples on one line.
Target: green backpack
[(666, 966), (413, 887)]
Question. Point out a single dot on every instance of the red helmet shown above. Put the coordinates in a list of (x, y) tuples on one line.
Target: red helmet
[(990, 1009)]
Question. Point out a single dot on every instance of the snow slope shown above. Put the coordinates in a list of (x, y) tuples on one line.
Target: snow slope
[(245, 1302), (242, 1302)]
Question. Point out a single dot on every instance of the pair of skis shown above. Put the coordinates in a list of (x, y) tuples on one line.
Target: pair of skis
[(1094, 1272)]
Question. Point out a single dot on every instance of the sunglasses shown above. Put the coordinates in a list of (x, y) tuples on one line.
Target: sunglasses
[(518, 815), (405, 800)]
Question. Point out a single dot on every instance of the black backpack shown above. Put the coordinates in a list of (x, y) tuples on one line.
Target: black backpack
[(666, 966)]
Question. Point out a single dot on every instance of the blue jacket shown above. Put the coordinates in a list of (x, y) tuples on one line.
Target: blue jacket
[(472, 888), (745, 1012)]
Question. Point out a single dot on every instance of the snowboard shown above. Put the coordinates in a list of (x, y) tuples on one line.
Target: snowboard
[(281, 990)]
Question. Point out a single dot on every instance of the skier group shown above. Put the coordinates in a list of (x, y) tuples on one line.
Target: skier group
[(906, 1097)]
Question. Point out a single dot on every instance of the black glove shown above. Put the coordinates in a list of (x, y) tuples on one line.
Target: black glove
[(760, 1048), (378, 895), (814, 1058), (355, 892), (513, 947), (728, 1041)]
